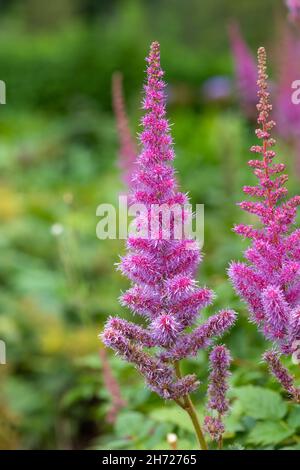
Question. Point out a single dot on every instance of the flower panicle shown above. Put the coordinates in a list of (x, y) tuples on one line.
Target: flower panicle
[(269, 280), (163, 291)]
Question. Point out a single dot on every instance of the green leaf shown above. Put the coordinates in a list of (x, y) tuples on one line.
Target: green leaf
[(232, 421), (270, 432), (158, 435), (232, 426), (174, 415), (117, 444), (294, 417), (295, 447), (260, 403), (235, 447)]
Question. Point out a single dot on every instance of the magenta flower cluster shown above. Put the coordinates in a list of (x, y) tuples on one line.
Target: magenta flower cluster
[(164, 292), (282, 374), (287, 114), (269, 282)]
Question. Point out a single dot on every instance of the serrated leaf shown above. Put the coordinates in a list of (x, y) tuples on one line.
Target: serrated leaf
[(260, 403), (269, 432)]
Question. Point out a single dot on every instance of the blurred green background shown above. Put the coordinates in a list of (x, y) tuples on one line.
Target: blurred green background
[(58, 154)]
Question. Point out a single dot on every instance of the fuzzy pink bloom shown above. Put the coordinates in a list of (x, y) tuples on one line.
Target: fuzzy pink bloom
[(283, 376), (201, 337), (164, 291), (214, 427), (294, 325), (217, 401), (270, 281), (276, 313), (219, 364), (245, 70), (127, 150)]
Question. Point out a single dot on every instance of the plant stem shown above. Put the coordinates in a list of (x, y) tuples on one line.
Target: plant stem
[(189, 407), (220, 440)]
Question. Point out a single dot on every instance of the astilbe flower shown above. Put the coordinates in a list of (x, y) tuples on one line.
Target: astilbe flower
[(269, 282), (287, 67), (245, 70), (127, 146), (281, 373), (164, 291), (217, 402)]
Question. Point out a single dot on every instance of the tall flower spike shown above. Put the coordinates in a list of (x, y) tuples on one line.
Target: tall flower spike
[(270, 280), (127, 147), (217, 402), (161, 268), (245, 71)]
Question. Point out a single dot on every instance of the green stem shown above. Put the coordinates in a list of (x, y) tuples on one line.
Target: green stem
[(189, 407), (220, 440)]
